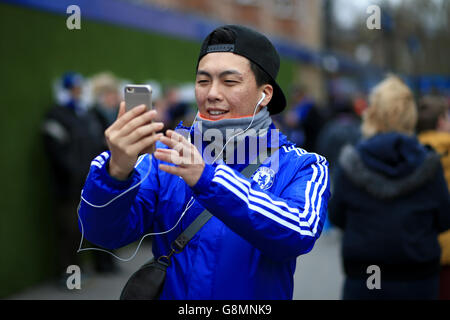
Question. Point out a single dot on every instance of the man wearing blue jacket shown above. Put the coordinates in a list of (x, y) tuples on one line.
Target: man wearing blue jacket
[(260, 225)]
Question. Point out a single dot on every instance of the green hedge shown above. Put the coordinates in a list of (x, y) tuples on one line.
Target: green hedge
[(36, 48)]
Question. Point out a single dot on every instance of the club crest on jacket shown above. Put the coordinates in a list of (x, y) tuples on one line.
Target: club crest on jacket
[(264, 176)]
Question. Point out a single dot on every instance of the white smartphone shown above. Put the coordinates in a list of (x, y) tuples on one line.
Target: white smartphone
[(136, 94)]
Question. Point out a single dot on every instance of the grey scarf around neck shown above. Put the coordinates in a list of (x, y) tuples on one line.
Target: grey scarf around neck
[(220, 132)]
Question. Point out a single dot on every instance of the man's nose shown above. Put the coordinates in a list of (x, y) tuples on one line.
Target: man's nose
[(215, 93)]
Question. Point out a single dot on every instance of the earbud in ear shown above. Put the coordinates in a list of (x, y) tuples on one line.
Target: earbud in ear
[(263, 95), (260, 100)]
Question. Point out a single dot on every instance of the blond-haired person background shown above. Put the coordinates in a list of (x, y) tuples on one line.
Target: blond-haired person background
[(392, 109), (433, 129), (391, 201), (105, 90)]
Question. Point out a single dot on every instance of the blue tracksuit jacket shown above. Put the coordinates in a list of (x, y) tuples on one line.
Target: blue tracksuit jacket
[(247, 250)]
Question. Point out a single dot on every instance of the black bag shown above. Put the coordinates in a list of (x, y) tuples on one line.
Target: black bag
[(146, 283)]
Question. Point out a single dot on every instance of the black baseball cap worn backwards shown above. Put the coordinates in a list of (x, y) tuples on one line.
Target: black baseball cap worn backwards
[(257, 48)]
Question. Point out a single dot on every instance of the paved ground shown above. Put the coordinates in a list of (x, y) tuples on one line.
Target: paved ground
[(318, 276)]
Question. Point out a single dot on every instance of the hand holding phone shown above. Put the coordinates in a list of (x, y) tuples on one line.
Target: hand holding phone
[(134, 132)]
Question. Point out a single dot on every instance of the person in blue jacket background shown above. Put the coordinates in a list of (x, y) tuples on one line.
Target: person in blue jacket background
[(260, 225)]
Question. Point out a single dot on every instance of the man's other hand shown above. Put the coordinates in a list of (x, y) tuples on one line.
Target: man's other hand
[(184, 155)]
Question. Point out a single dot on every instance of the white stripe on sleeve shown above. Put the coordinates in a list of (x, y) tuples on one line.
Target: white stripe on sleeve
[(97, 164), (100, 160), (259, 209), (247, 194), (105, 155), (322, 190)]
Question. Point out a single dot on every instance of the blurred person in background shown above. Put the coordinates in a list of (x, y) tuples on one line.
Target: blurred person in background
[(161, 106), (171, 109), (391, 200), (303, 120), (359, 104), (342, 129), (105, 88), (71, 140), (177, 110), (433, 129)]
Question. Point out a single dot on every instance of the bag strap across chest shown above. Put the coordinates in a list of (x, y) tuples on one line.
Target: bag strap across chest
[(182, 240)]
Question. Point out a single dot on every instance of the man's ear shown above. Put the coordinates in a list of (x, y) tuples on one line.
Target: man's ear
[(268, 91)]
